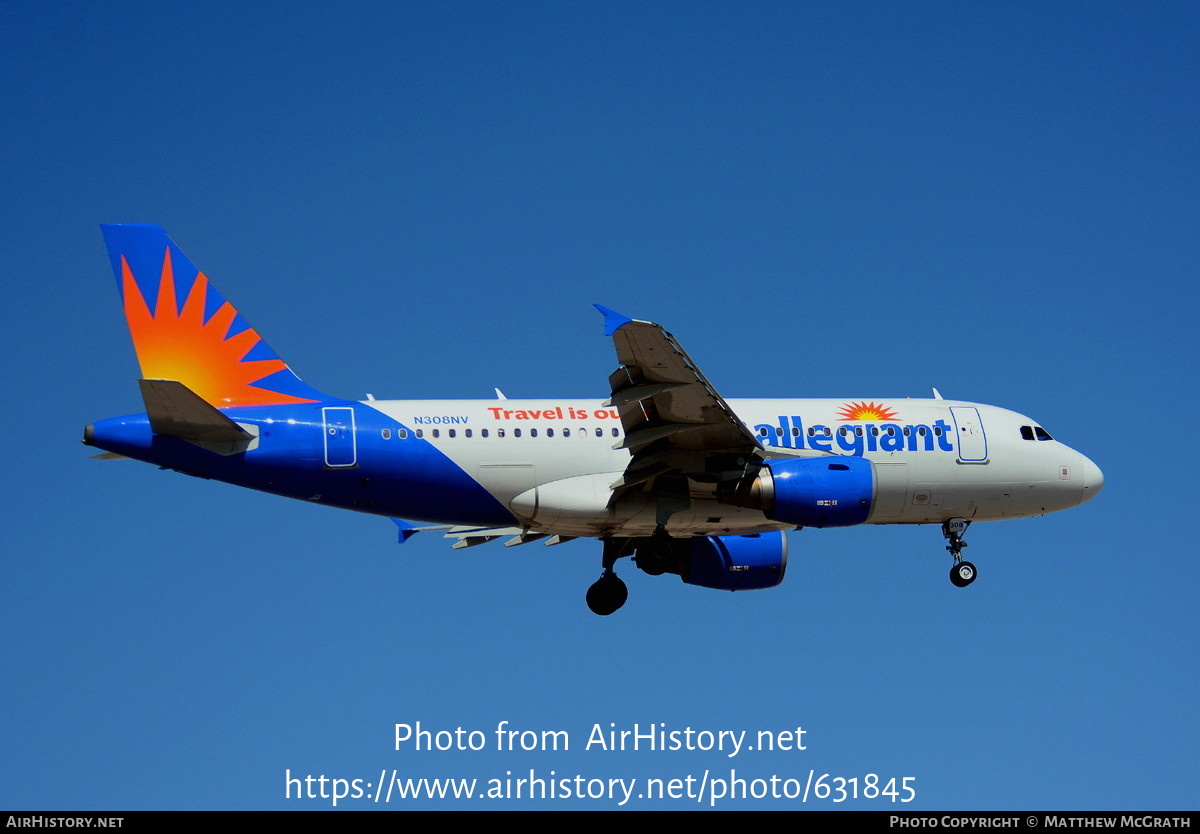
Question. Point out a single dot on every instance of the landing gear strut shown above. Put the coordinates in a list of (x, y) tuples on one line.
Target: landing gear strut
[(608, 593), (962, 573)]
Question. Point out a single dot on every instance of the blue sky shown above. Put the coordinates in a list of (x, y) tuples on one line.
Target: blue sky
[(845, 200)]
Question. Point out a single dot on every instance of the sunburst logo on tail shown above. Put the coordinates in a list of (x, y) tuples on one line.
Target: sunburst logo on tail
[(867, 411), (181, 344)]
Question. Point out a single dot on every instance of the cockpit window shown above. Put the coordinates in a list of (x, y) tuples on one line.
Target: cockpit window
[(1041, 433), (1027, 432)]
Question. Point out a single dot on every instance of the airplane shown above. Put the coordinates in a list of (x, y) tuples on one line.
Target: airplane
[(665, 470)]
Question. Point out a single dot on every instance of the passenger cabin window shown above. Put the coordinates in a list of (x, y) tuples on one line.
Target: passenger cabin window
[(402, 434), (387, 434)]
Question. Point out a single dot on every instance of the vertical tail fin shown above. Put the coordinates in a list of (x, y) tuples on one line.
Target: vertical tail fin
[(184, 330)]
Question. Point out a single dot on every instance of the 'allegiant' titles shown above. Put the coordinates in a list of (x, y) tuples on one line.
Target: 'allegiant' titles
[(857, 439)]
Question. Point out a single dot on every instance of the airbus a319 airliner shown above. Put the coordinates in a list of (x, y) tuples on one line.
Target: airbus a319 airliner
[(665, 470)]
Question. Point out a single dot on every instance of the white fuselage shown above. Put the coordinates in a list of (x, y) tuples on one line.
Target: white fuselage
[(553, 462)]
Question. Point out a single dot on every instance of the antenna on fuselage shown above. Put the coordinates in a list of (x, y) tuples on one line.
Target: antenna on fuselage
[(937, 395)]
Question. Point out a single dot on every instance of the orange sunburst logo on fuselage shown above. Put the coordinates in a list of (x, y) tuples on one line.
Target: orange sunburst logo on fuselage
[(179, 344), (867, 411)]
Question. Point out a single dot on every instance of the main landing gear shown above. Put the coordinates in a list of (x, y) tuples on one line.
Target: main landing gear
[(962, 573), (656, 555), (608, 593)]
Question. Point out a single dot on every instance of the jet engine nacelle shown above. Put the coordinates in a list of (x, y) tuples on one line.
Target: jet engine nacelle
[(808, 492), (736, 563)]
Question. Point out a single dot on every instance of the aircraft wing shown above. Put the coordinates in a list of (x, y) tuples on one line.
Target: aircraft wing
[(677, 427), (470, 536)]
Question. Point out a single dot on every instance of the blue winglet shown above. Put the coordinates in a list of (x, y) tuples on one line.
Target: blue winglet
[(613, 321), (407, 531)]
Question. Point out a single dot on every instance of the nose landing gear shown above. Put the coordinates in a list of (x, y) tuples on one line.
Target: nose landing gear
[(962, 573)]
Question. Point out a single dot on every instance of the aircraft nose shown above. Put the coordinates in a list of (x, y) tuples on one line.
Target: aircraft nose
[(1093, 480)]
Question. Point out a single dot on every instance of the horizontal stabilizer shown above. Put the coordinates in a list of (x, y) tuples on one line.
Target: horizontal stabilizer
[(177, 411)]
